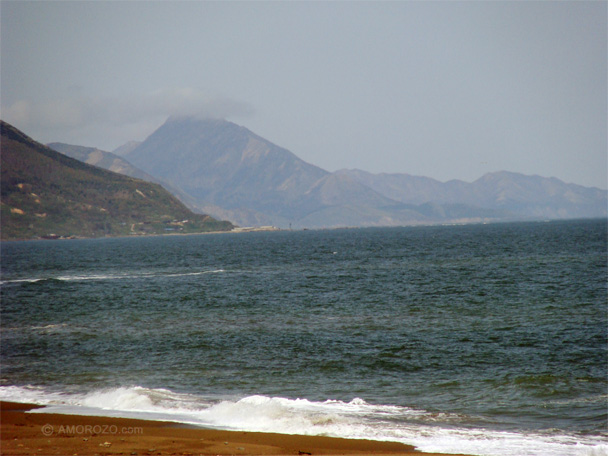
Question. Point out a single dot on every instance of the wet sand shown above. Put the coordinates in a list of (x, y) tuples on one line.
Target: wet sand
[(54, 434)]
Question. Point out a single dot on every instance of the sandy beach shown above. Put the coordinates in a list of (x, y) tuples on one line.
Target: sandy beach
[(49, 434)]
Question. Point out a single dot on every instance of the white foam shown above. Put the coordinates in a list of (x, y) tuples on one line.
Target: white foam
[(97, 277), (185, 274), (118, 399), (29, 395), (33, 280), (60, 325), (442, 433)]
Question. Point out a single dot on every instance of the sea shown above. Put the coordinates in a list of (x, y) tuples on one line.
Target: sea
[(480, 339)]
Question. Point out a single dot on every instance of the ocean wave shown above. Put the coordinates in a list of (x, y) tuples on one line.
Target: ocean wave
[(98, 277), (18, 281), (357, 418), (50, 327)]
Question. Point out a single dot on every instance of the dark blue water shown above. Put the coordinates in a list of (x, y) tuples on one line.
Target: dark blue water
[(469, 330)]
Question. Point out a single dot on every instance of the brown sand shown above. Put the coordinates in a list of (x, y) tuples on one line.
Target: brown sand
[(49, 434)]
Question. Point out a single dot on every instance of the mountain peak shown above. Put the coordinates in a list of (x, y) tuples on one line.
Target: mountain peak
[(223, 165)]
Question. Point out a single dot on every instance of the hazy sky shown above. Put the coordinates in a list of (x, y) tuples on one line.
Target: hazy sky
[(449, 90)]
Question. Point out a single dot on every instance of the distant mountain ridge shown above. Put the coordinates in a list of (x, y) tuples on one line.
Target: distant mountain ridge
[(47, 194), (225, 170), (117, 164), (126, 148), (102, 159), (521, 195), (231, 172), (222, 164)]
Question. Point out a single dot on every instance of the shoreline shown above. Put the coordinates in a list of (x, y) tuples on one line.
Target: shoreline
[(23, 433), (236, 230)]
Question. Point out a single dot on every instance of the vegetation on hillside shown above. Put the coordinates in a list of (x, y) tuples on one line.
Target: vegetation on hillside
[(46, 194)]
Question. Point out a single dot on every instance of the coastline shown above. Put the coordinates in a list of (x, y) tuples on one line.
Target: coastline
[(46, 434), (139, 235)]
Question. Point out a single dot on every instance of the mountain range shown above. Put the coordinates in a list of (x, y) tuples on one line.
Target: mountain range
[(517, 194), (230, 172), (114, 162), (47, 194), (225, 170)]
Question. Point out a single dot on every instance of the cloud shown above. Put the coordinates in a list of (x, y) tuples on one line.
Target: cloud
[(192, 102), (107, 122)]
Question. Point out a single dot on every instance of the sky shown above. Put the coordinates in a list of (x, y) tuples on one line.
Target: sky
[(448, 90)]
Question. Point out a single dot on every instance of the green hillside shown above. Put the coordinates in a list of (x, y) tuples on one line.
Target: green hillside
[(46, 194)]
